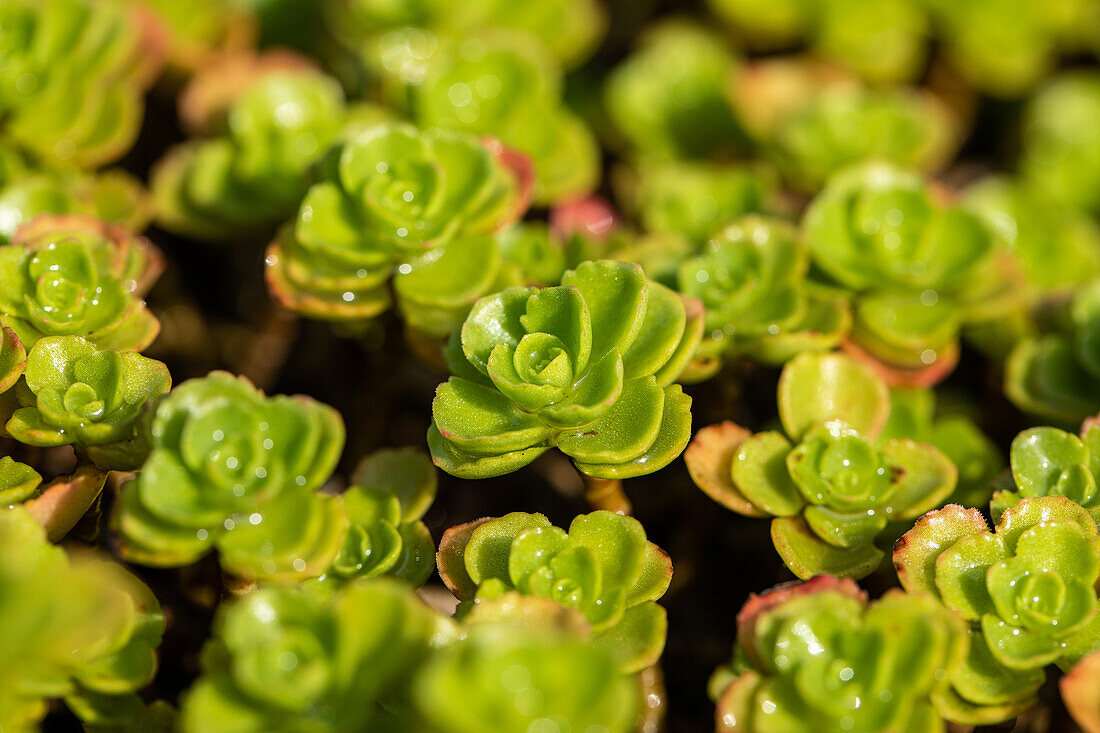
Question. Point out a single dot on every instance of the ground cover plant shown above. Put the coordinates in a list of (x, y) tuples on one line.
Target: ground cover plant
[(549, 366)]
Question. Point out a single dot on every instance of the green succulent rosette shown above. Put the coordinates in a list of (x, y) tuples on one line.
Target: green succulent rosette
[(696, 198), (917, 269), (254, 175), (817, 656), (751, 278), (814, 121), (237, 471), (389, 494), (73, 275), (829, 484), (1050, 462), (603, 567), (587, 366), (508, 87), (284, 658), (1027, 590), (668, 98), (72, 80), (77, 394), (71, 628), (1056, 373), (1061, 153), (422, 204)]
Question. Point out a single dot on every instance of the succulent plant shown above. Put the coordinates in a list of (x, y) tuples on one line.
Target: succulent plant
[(587, 367), (56, 505), (917, 269), (254, 175), (669, 98), (70, 628), (282, 658), (1061, 152), (1079, 689), (78, 394), (830, 486), (73, 79), (1057, 374), (420, 203), (13, 359), (603, 566), (1026, 589), (817, 656), (75, 275), (234, 470), (202, 33), (1050, 462), (751, 278)]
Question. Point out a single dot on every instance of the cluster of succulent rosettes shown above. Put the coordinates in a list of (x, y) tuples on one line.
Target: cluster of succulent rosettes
[(394, 198), (1027, 590), (73, 393), (72, 275), (814, 120), (1061, 153), (253, 175), (1050, 462), (1080, 688), (603, 567), (83, 629), (1056, 373), (751, 278), (817, 656), (831, 486), (74, 73), (669, 98), (285, 658), (587, 367), (917, 269), (237, 471)]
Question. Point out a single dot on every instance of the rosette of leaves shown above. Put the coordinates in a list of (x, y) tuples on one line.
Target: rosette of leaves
[(1050, 462), (73, 77), (829, 485), (72, 629), (917, 269), (813, 121), (1026, 589), (696, 198), (1056, 374), (74, 393), (603, 567), (254, 174), (1080, 688), (587, 366), (817, 656), (751, 278), (389, 493), (395, 198), (237, 471), (507, 86), (75, 275), (668, 98), (283, 658), (1061, 151), (1006, 48)]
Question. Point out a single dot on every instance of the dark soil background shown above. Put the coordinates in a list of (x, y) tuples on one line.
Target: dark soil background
[(216, 314)]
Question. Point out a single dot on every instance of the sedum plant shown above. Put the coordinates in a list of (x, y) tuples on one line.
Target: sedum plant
[(422, 204), (81, 629), (830, 486), (917, 269), (1026, 589), (603, 567), (752, 279), (237, 471), (817, 656), (1050, 462), (1061, 154), (73, 78), (78, 394), (75, 275), (587, 366)]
